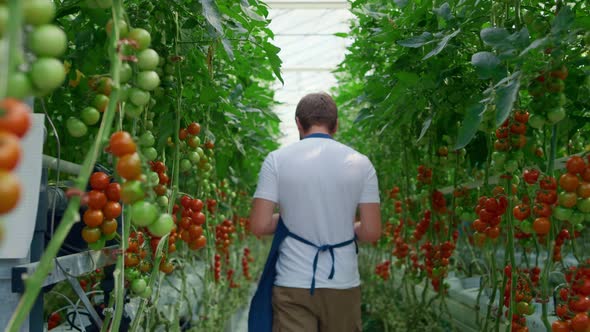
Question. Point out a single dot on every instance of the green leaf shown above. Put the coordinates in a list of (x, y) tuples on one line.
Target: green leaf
[(211, 13), (425, 127), (417, 41), (494, 36), (444, 11), (275, 62), (563, 20), (539, 43), (485, 63), (470, 125), (441, 45), (341, 34), (505, 98), (364, 113)]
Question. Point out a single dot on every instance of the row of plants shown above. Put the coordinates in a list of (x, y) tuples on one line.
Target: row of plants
[(492, 98), (167, 108)]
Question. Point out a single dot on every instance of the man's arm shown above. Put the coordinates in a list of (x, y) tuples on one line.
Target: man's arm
[(263, 220), (369, 228)]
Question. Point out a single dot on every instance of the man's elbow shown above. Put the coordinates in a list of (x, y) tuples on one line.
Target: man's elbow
[(373, 235)]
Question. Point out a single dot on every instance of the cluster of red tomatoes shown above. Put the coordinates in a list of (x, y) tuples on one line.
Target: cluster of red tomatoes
[(223, 235), (163, 180), (548, 97), (192, 219), (401, 247), (574, 197), (436, 260), (439, 202), (211, 205), (422, 227), (103, 210), (490, 211), (54, 321), (15, 121), (383, 270), (523, 297), (244, 225), (510, 135), (574, 301), (121, 145), (217, 267), (246, 259), (136, 254), (424, 174)]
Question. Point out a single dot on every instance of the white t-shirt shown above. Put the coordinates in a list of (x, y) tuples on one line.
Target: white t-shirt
[(318, 184)]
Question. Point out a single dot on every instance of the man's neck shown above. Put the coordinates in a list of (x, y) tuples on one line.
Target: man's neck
[(317, 130)]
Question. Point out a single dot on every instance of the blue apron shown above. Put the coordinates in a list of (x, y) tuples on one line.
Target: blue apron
[(260, 316)]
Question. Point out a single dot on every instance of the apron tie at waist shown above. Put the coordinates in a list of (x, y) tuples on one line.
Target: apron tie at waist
[(325, 247)]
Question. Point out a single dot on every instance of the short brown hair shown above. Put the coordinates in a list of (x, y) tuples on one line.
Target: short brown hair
[(317, 109)]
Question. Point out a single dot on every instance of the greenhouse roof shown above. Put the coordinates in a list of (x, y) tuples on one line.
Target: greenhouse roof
[(304, 30)]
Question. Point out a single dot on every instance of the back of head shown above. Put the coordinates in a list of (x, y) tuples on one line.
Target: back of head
[(317, 109)]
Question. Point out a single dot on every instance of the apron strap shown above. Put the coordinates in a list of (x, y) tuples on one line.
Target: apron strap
[(326, 247)]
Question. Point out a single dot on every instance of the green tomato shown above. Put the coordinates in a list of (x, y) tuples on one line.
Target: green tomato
[(146, 293), (162, 201), (138, 286), (131, 192), (162, 226), (110, 236), (139, 97), (90, 116), (576, 218), (148, 80), (579, 227), (141, 37), (194, 157), (123, 28), (499, 158), (131, 273), (76, 128), (185, 165), (153, 178), (201, 153), (584, 205), (149, 125), (19, 86), (48, 41), (100, 102), (561, 213), (133, 111), (150, 153), (147, 59), (526, 227), (47, 74), (38, 12), (143, 213), (125, 73), (555, 115), (98, 245), (147, 139), (518, 155), (536, 121), (511, 166)]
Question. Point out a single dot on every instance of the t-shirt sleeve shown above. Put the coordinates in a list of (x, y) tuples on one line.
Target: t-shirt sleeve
[(370, 192), (268, 181)]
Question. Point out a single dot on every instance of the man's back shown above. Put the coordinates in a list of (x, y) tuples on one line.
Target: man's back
[(318, 184)]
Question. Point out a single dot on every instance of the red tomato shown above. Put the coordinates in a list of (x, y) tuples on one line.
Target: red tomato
[(129, 166), (121, 143), (15, 116), (10, 150), (575, 165), (112, 210), (542, 226), (99, 181), (548, 183), (9, 191), (93, 218), (580, 322), (569, 182), (96, 199), (113, 192), (194, 128)]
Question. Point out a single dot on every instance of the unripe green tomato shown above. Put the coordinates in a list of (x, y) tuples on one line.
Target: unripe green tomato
[(518, 155), (133, 111), (131, 273), (125, 73), (536, 121), (185, 165), (201, 153), (153, 178), (47, 74), (561, 213), (149, 125), (162, 226), (194, 157), (148, 80), (576, 218), (147, 139), (511, 166), (141, 36), (143, 213), (147, 293), (19, 85), (48, 41), (38, 12), (526, 227), (499, 158), (147, 59), (124, 92), (162, 201), (76, 128), (139, 97), (150, 153), (555, 115), (138, 286), (90, 116), (98, 245)]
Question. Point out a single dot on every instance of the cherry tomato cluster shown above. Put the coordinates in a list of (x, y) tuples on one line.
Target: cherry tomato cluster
[(401, 247), (574, 301), (217, 268), (383, 269), (246, 259), (436, 260), (163, 180), (121, 145), (190, 227), (490, 211), (15, 121), (244, 224), (545, 198), (563, 235), (230, 278), (439, 202), (523, 299), (211, 205), (103, 210), (54, 320), (223, 235), (424, 174), (510, 136), (422, 227), (548, 97), (46, 42), (574, 197)]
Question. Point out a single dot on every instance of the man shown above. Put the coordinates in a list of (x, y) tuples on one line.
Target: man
[(318, 184)]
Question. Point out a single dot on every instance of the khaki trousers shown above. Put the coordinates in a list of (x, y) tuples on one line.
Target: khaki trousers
[(328, 310)]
